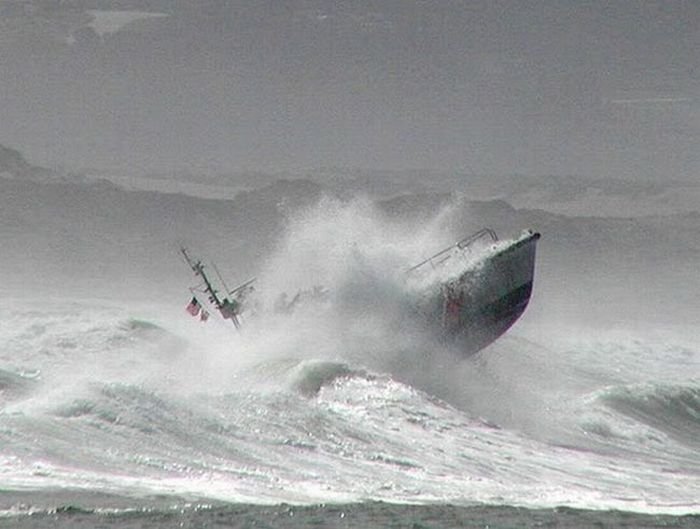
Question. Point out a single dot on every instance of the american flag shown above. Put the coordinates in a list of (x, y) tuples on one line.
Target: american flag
[(193, 307)]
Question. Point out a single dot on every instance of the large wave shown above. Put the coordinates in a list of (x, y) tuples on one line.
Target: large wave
[(132, 408), (673, 410), (346, 398)]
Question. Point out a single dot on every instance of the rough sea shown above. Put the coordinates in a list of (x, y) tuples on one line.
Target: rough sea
[(120, 410)]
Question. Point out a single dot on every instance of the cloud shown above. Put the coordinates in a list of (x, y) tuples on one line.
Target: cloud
[(108, 22), (659, 100)]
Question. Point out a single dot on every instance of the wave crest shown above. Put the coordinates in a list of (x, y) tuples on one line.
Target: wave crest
[(671, 409)]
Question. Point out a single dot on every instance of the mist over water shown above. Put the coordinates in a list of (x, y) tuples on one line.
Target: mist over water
[(348, 398)]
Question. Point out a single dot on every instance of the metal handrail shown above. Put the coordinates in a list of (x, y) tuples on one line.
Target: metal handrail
[(467, 241), (462, 245)]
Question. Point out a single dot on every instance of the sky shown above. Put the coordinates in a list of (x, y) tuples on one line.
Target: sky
[(606, 89)]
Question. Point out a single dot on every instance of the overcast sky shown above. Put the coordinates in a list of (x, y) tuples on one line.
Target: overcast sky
[(597, 88)]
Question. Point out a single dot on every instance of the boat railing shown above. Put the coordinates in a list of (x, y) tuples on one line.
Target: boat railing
[(481, 234), (463, 244)]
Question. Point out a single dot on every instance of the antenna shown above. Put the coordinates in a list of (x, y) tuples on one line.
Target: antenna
[(196, 267)]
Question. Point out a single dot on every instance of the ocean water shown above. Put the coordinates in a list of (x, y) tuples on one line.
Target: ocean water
[(129, 416), (122, 411)]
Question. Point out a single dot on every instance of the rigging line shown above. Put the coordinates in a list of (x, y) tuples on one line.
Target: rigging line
[(219, 276), (199, 288)]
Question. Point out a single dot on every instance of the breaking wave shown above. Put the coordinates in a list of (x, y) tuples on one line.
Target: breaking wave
[(671, 409), (313, 376), (341, 400), (16, 385), (286, 417)]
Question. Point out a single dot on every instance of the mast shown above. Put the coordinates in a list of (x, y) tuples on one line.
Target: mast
[(224, 306)]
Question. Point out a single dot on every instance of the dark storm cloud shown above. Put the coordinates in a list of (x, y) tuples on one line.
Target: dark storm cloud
[(484, 86)]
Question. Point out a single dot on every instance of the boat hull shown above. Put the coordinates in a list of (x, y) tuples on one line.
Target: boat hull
[(493, 296), (482, 302)]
